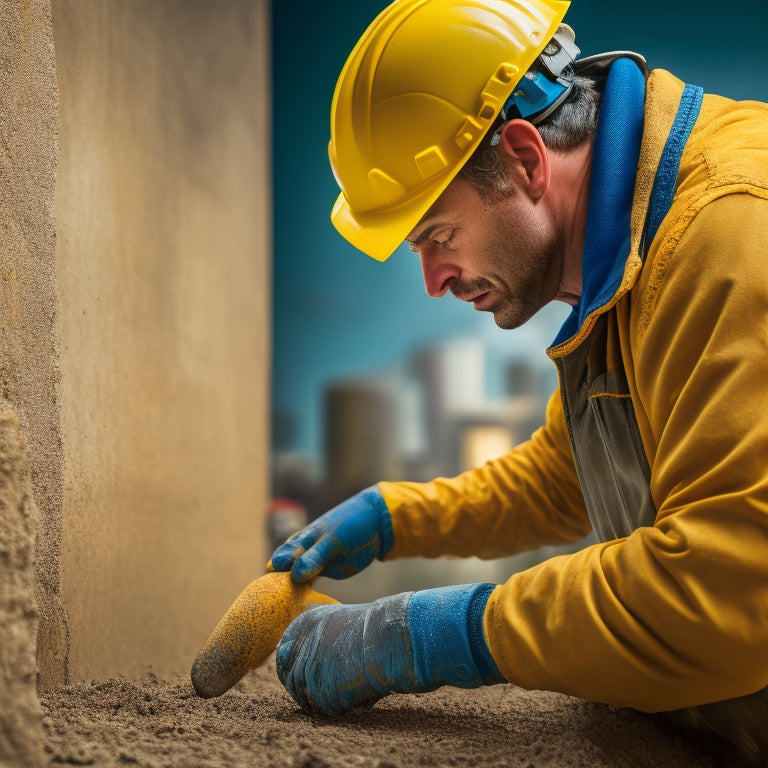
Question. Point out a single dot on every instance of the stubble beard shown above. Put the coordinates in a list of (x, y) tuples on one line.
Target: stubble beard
[(534, 284), (523, 264)]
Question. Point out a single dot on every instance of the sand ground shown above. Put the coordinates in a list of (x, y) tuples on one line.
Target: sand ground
[(160, 722)]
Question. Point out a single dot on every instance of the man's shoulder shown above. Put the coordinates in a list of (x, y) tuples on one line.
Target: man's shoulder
[(727, 146)]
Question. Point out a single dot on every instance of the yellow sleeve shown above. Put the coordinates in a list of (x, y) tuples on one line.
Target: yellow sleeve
[(522, 500), (677, 613)]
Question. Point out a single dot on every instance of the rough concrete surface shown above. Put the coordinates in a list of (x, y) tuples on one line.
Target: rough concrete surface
[(162, 267), (20, 712), (29, 372), (162, 723)]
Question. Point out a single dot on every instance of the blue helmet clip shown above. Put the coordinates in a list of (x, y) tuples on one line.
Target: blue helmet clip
[(533, 95)]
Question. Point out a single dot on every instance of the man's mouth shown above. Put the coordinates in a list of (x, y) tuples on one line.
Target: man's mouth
[(478, 295), (481, 300)]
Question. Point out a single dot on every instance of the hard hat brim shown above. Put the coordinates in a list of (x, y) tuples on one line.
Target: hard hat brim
[(372, 233)]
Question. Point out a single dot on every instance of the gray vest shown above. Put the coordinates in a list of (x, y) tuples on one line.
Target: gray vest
[(605, 437)]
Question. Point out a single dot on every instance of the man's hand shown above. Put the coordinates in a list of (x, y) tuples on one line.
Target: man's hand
[(341, 542), (334, 658)]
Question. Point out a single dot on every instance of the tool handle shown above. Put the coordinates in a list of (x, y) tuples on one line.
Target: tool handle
[(250, 630)]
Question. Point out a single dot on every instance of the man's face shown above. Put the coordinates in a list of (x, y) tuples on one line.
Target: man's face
[(499, 252)]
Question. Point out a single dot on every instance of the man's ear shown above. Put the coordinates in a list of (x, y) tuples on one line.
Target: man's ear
[(520, 141)]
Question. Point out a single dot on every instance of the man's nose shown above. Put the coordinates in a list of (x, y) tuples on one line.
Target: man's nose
[(438, 274)]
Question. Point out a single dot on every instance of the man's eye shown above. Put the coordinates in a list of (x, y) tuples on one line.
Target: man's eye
[(446, 242)]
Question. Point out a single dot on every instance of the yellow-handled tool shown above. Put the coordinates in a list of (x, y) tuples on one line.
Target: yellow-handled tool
[(250, 630)]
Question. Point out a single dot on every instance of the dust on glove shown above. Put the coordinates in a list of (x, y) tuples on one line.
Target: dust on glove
[(334, 658)]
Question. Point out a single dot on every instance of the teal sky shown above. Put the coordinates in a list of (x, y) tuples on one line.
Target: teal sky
[(339, 313)]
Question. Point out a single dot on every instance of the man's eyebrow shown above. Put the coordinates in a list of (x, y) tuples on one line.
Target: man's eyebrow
[(424, 235)]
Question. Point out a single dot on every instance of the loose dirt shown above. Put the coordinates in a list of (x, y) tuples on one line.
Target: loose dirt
[(161, 723)]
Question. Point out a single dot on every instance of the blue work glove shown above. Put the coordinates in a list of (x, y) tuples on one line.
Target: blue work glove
[(333, 658), (339, 543)]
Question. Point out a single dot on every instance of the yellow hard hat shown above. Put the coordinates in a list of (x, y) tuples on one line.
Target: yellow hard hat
[(415, 97)]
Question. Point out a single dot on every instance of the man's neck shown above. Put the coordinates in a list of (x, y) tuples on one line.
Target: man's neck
[(570, 177)]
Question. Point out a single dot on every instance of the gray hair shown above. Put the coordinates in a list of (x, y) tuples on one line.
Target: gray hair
[(571, 124)]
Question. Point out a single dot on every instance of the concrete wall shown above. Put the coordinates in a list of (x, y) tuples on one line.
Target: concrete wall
[(21, 717), (32, 478), (162, 266), (135, 317)]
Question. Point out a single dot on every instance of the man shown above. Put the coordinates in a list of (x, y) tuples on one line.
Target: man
[(521, 175)]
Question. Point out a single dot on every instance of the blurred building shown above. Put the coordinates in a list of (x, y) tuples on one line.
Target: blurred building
[(362, 434), (434, 420), (451, 378)]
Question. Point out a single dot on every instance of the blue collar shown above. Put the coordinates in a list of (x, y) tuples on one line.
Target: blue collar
[(612, 185)]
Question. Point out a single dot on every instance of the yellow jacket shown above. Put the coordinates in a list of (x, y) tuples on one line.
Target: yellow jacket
[(672, 610)]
